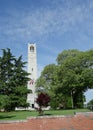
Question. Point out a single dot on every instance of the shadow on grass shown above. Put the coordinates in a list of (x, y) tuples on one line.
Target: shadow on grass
[(6, 117), (45, 114)]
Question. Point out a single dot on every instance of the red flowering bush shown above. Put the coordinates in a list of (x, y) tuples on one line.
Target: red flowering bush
[(42, 100)]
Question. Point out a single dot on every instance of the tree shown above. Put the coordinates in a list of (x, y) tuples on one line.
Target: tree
[(13, 80), (42, 100), (66, 54), (90, 104), (5, 102), (70, 78), (75, 75), (45, 81), (6, 71)]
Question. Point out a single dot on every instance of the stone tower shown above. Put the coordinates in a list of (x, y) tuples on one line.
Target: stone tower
[(32, 69)]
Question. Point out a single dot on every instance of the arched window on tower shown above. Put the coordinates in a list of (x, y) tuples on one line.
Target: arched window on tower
[(32, 48)]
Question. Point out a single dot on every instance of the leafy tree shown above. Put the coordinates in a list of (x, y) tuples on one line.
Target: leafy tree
[(13, 79), (75, 75), (42, 100), (45, 81), (60, 101), (66, 54), (70, 78), (90, 104)]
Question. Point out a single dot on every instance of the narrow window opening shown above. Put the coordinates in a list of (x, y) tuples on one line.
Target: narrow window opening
[(31, 48)]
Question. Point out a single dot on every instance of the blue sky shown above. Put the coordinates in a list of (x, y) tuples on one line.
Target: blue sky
[(54, 25)]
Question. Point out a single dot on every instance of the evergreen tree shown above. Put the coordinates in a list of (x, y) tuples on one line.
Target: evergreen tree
[(13, 80)]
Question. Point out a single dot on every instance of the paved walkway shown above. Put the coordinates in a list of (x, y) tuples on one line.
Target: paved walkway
[(77, 122)]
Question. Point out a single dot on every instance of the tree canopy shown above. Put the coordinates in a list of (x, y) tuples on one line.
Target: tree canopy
[(70, 78), (13, 81)]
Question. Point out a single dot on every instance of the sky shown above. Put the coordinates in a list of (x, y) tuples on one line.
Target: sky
[(53, 25)]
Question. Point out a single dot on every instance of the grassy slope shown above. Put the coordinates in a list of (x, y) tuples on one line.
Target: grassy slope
[(19, 115)]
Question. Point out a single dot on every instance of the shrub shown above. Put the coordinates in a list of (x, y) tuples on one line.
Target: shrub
[(42, 100)]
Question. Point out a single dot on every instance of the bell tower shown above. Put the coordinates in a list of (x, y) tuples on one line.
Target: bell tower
[(32, 69)]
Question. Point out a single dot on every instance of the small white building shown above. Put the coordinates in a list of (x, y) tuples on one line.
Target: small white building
[(32, 69)]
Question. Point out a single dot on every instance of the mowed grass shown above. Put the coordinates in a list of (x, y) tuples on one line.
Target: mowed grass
[(22, 115)]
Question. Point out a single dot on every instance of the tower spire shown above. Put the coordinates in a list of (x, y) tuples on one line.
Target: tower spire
[(32, 69)]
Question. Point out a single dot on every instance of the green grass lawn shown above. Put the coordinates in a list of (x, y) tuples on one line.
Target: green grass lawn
[(21, 115)]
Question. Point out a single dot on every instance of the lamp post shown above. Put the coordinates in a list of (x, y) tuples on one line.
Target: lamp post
[(72, 102)]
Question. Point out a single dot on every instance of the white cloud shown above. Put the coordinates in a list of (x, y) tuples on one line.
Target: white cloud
[(43, 22)]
